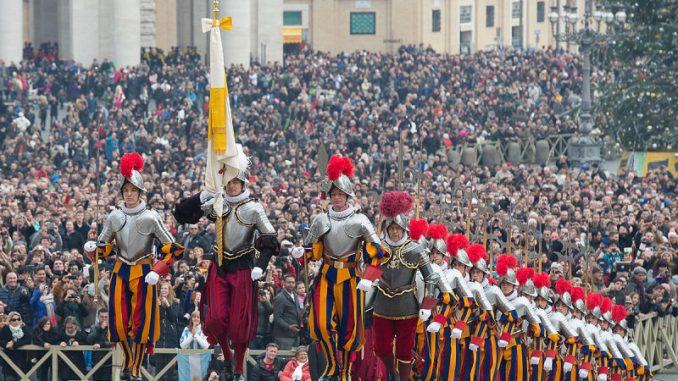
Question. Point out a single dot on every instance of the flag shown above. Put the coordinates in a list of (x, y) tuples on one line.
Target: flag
[(222, 152)]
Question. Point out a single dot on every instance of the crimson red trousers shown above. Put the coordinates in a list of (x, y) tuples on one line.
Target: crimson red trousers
[(403, 331), (229, 311)]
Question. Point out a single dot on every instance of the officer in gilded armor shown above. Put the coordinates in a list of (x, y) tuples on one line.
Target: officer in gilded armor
[(132, 229), (396, 305)]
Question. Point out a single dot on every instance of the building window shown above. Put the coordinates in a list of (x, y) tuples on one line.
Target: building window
[(363, 23), (489, 16), (540, 11), (515, 10), (435, 20), (465, 14), (291, 18)]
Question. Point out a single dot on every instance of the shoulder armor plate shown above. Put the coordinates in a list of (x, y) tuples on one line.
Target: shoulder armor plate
[(319, 226)]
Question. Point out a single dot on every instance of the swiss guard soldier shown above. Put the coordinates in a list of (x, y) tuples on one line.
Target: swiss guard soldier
[(396, 305), (134, 318), (229, 301), (341, 238)]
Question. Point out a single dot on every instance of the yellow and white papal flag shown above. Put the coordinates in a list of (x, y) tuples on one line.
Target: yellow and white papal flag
[(222, 151)]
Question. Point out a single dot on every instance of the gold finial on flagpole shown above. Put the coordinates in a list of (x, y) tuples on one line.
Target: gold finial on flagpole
[(215, 9)]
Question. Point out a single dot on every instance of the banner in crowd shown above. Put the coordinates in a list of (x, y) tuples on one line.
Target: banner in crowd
[(645, 162)]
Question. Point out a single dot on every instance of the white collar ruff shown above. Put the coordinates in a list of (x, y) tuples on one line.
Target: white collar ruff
[(512, 296), (396, 243), (131, 211), (236, 199), (339, 215)]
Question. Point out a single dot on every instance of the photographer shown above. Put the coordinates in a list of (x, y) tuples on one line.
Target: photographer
[(71, 306), (43, 304), (99, 339), (72, 336), (265, 311)]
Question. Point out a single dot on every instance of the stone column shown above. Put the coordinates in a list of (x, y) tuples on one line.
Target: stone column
[(237, 42), (84, 31), (126, 23), (11, 30)]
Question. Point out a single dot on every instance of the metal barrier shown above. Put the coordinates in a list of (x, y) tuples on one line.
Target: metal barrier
[(657, 338), (56, 355)]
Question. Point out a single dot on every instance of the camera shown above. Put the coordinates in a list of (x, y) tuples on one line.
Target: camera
[(623, 266)]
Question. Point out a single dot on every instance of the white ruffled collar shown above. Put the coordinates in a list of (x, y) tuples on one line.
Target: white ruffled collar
[(398, 243), (340, 215), (512, 296), (484, 283), (239, 198), (131, 211)]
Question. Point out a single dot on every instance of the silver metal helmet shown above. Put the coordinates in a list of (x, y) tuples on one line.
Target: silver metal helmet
[(565, 298), (401, 220), (136, 179), (596, 312), (544, 293), (529, 289), (242, 176), (462, 258), (130, 166), (624, 325), (482, 266), (581, 306), (439, 245), (344, 184), (608, 318), (509, 278)]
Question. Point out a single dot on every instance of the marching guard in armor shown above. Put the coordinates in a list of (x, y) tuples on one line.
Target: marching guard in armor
[(341, 238), (132, 229), (229, 302), (396, 305)]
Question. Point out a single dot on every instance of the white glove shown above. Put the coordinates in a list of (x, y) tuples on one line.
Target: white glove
[(548, 364), (424, 314), (473, 347), (534, 360), (567, 367), (583, 373), (152, 278), (297, 252), (456, 333), (502, 343), (257, 272), (434, 327), (206, 195), (602, 377), (364, 285)]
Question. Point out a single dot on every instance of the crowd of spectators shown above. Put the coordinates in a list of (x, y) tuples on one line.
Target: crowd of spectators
[(64, 126)]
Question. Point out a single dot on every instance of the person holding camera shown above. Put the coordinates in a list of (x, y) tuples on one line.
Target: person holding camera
[(98, 338), (71, 306), (43, 304)]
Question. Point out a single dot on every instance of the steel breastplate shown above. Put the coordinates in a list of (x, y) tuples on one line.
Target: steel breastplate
[(135, 237), (343, 239), (237, 234)]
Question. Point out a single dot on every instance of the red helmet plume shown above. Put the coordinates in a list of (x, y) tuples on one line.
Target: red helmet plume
[(577, 293), (436, 231), (593, 300), (618, 313), (131, 161), (476, 252), (541, 280), (456, 242), (504, 263), (418, 228), (395, 203), (338, 166), (523, 274), (562, 286), (606, 305)]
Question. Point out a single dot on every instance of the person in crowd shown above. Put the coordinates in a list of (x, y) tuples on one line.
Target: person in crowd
[(169, 327), (193, 338), (98, 338), (286, 315), (12, 337), (45, 335), (297, 369), (72, 336), (268, 366)]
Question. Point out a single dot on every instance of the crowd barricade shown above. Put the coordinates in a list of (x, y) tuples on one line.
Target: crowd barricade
[(56, 355), (657, 338)]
